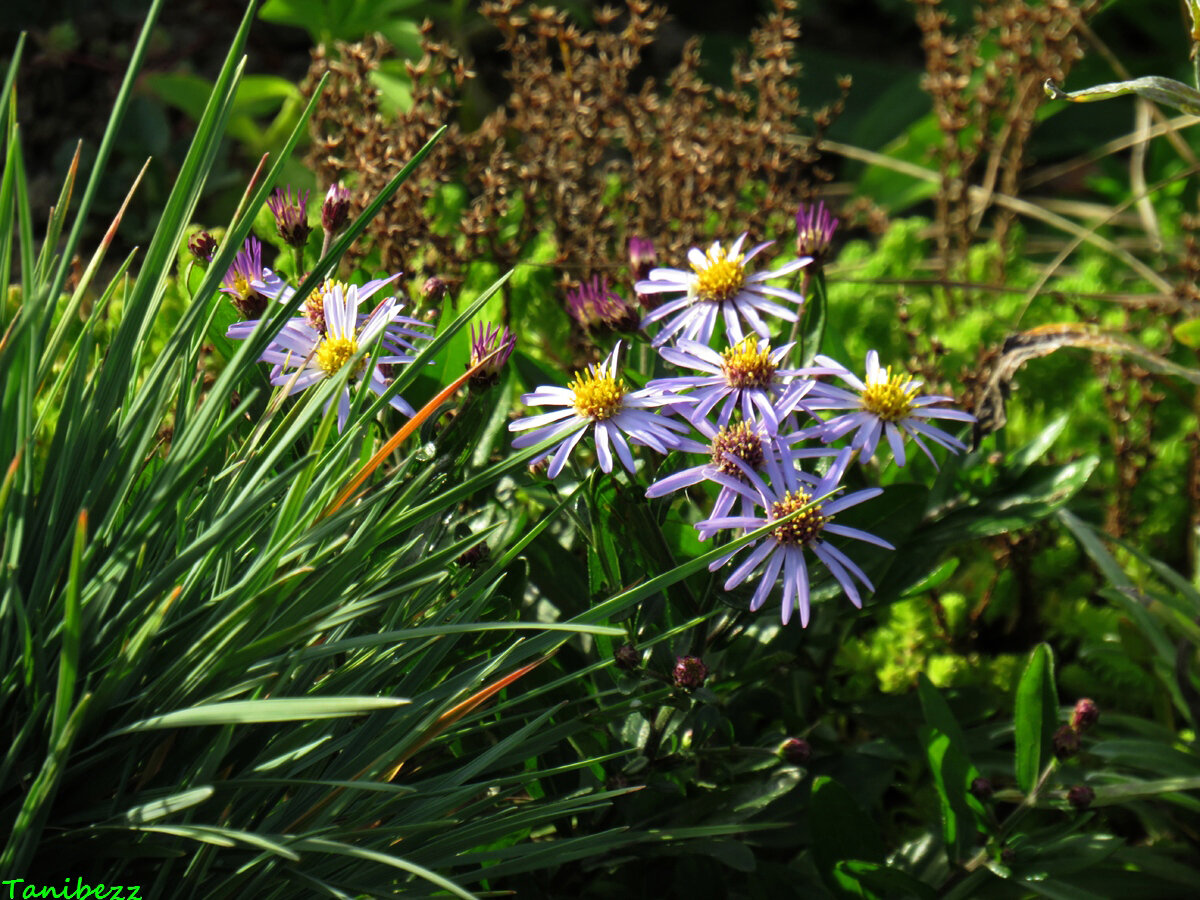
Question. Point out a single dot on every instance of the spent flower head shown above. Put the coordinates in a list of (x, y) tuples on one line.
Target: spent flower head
[(239, 281), (883, 404), (600, 401), (291, 215), (720, 284)]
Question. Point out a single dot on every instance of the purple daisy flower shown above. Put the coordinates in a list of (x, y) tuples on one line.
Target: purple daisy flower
[(719, 284), (747, 375), (398, 335), (239, 280), (598, 400), (751, 443), (302, 356), (784, 548), (883, 404)]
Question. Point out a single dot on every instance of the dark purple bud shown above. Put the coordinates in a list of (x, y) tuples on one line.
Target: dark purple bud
[(627, 657), (202, 246), (335, 211), (796, 751), (1066, 742), (981, 789), (1081, 796), (434, 289), (690, 672), (475, 555), (641, 257), (1086, 714)]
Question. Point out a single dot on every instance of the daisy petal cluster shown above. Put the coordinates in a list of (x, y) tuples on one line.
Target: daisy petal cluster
[(884, 405), (747, 415), (811, 502), (720, 285), (598, 400), (315, 346), (748, 377)]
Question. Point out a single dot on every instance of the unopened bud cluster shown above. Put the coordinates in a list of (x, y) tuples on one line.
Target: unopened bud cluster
[(1067, 739)]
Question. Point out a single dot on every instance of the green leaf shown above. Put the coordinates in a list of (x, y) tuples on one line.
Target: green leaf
[(1022, 459), (1188, 333), (1155, 88), (873, 879), (1011, 505), (841, 830), (1036, 717), (148, 812), (284, 709), (812, 326)]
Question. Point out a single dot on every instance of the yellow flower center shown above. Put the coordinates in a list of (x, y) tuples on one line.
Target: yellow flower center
[(597, 396), (888, 399), (241, 284), (720, 277), (805, 527), (738, 440), (314, 306), (333, 353), (746, 366)]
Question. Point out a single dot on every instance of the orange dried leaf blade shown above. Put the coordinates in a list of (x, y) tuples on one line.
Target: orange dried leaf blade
[(452, 715)]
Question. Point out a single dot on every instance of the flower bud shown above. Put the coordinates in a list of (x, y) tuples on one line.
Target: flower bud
[(492, 347), (434, 289), (1066, 742), (596, 307), (1081, 796), (981, 789), (641, 257), (202, 246), (475, 555), (690, 672), (796, 751), (627, 657), (335, 211), (1086, 714), (291, 216), (815, 226)]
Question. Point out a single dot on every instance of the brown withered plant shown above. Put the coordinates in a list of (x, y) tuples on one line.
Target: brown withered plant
[(582, 148), (986, 84)]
